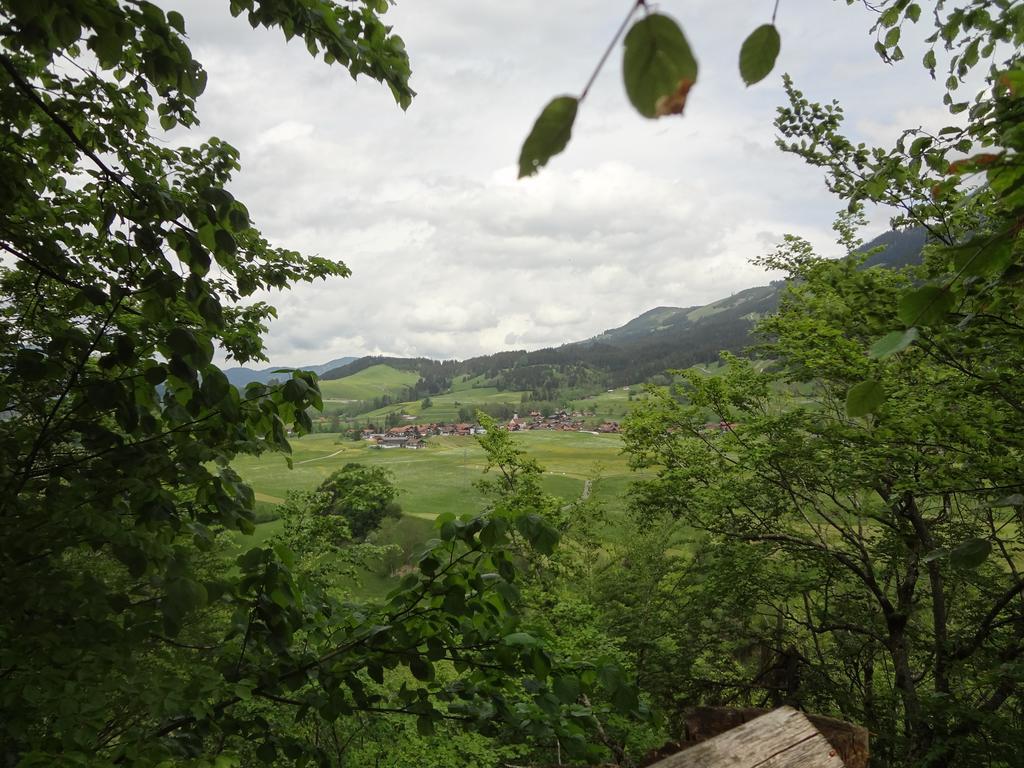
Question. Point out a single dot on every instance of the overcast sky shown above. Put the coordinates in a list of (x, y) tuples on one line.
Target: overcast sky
[(451, 255)]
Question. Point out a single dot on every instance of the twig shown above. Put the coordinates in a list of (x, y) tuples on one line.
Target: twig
[(610, 48)]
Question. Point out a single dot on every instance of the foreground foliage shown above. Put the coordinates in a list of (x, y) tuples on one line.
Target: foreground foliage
[(864, 494), (886, 576), (126, 635)]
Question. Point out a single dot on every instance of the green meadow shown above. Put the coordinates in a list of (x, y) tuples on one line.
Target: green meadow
[(440, 478), (445, 408), (369, 383), (613, 405), (472, 393)]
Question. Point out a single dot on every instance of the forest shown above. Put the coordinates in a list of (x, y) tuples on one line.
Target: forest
[(848, 541)]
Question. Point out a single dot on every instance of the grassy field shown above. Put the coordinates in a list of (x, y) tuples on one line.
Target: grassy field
[(613, 405), (369, 383), (445, 408), (439, 478)]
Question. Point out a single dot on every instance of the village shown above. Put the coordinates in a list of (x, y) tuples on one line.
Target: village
[(413, 436)]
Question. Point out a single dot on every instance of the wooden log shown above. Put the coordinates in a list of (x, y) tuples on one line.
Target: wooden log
[(850, 741), (783, 738)]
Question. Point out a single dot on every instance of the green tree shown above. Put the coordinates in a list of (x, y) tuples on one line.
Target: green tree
[(126, 635), (891, 539), (129, 264), (362, 496)]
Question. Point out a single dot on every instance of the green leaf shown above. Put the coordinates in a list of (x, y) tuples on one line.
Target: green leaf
[(424, 726), (215, 386), (521, 638), (927, 305), (758, 54), (983, 255), (971, 553), (225, 242), (549, 136), (658, 67), (864, 398), (919, 145), (183, 596), (611, 677), (567, 689), (892, 343), (625, 698), (182, 341), (176, 21), (156, 375), (266, 752), (421, 669), (545, 538)]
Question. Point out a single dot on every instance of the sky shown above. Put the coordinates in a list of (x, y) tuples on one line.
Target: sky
[(451, 255)]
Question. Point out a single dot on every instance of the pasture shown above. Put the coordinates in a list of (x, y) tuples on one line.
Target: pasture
[(445, 407), (369, 383), (440, 478)]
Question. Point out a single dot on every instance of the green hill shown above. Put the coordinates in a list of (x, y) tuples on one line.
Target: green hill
[(660, 339), (368, 383)]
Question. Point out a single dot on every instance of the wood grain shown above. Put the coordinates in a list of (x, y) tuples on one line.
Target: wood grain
[(783, 738), (851, 741)]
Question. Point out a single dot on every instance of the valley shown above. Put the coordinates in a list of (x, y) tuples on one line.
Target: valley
[(438, 479)]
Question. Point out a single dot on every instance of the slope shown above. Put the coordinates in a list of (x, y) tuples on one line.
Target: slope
[(660, 339)]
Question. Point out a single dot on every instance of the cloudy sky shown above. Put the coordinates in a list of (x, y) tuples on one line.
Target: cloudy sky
[(451, 255)]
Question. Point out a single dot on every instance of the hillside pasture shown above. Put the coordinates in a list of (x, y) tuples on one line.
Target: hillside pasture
[(375, 381), (445, 407)]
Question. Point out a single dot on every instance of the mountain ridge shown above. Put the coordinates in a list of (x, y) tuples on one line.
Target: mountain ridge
[(240, 375), (657, 340)]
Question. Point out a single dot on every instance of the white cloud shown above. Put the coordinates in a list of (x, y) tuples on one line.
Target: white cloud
[(451, 255)]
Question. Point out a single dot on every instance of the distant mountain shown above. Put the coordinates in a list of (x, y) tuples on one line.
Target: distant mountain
[(241, 376), (901, 248), (660, 339)]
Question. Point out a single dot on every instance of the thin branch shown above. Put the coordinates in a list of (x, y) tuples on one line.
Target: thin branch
[(610, 48)]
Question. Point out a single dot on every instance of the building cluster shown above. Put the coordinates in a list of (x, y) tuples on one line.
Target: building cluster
[(414, 435), (561, 421)]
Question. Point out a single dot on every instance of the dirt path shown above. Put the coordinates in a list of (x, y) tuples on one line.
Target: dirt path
[(320, 458)]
